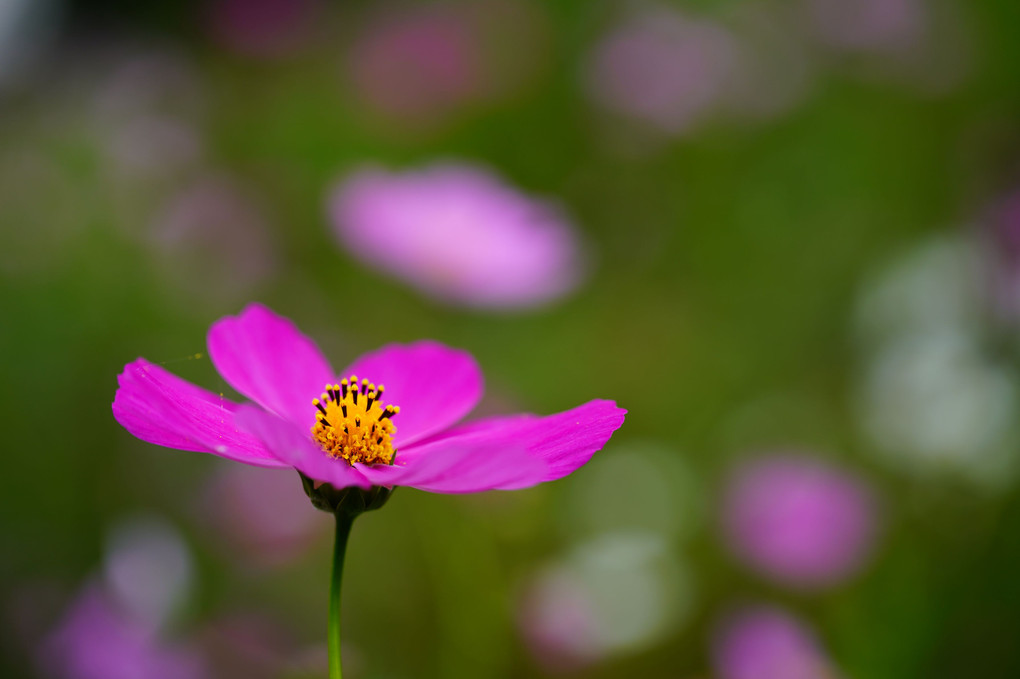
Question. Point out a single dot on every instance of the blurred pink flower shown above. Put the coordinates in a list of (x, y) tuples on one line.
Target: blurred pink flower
[(99, 640), (153, 81), (346, 437), (767, 643), (153, 146), (558, 624), (261, 516), (1002, 234), (420, 64), (870, 25), (214, 239), (927, 46), (799, 521), (663, 69), (459, 234), (263, 28), (250, 645), (146, 108)]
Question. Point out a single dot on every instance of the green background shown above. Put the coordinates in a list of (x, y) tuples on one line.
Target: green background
[(726, 268)]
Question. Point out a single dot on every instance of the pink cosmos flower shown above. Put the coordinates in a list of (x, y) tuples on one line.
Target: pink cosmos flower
[(799, 521), (458, 233), (338, 431)]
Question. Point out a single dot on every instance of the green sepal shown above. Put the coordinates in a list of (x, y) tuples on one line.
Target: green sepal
[(350, 501)]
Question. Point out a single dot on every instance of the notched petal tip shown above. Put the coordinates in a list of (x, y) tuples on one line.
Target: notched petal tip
[(571, 438), (504, 453)]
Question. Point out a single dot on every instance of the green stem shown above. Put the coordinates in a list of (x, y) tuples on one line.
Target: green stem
[(344, 521)]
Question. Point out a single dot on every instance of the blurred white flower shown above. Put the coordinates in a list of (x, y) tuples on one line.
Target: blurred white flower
[(930, 396), (615, 594), (937, 287), (938, 403), (147, 569)]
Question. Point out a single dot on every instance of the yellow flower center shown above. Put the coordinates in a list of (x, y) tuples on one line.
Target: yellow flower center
[(353, 424)]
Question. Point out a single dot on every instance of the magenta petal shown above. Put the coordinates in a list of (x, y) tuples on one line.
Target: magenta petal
[(503, 453), (265, 357), (161, 408), (465, 465), (434, 385), (458, 233), (295, 447), (565, 441)]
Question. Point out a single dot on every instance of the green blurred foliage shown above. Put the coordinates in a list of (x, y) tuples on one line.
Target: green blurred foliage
[(726, 267)]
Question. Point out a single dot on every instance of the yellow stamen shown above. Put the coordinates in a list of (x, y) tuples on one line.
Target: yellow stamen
[(352, 424)]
